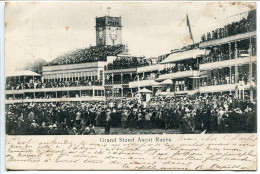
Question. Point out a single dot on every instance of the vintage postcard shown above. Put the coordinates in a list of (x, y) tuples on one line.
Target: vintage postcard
[(130, 85)]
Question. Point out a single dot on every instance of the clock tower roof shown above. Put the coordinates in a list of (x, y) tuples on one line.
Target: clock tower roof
[(108, 21)]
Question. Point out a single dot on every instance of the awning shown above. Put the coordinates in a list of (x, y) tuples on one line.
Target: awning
[(167, 82), (143, 83), (150, 68), (184, 55), (21, 73), (144, 90)]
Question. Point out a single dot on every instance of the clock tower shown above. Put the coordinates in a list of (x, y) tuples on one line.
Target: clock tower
[(108, 30)]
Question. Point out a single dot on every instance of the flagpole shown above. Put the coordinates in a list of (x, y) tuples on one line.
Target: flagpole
[(188, 24)]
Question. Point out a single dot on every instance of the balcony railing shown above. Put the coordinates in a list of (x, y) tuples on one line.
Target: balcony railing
[(225, 40), (41, 100), (227, 63), (221, 88), (176, 75), (77, 88)]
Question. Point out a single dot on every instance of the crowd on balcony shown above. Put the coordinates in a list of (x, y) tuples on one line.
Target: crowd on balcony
[(91, 54), (220, 54), (178, 67), (190, 114), (38, 84), (125, 63), (225, 78), (244, 25)]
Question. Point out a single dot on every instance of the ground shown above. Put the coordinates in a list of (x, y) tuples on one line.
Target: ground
[(120, 131)]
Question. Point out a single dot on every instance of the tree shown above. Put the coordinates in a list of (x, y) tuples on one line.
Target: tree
[(36, 66)]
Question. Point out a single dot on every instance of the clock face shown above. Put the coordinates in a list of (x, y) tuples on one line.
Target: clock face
[(113, 33), (100, 34)]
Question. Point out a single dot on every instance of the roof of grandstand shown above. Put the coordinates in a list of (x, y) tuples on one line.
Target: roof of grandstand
[(91, 54), (21, 73)]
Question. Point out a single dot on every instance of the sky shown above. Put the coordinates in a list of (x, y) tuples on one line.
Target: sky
[(48, 29)]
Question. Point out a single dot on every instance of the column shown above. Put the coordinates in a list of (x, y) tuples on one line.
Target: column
[(131, 76), (112, 78), (56, 94), (229, 50), (251, 70), (236, 70), (122, 91), (230, 74), (121, 78)]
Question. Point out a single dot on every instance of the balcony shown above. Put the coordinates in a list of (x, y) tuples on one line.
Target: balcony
[(227, 63), (77, 88), (41, 100), (225, 40), (143, 83), (187, 92), (177, 75), (221, 88)]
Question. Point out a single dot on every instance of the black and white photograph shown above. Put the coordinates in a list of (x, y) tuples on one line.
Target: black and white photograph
[(120, 85), (100, 69)]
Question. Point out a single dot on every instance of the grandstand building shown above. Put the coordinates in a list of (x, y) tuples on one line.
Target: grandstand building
[(74, 76), (223, 62)]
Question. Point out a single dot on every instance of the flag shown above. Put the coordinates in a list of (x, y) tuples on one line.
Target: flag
[(188, 24)]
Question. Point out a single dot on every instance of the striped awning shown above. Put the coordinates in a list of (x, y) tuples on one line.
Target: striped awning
[(175, 57)]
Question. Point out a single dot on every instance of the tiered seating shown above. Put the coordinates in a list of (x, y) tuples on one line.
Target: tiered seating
[(84, 55)]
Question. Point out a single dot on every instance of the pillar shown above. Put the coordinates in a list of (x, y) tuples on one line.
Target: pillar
[(121, 78), (230, 74), (131, 76), (236, 70), (229, 50), (251, 70), (112, 78)]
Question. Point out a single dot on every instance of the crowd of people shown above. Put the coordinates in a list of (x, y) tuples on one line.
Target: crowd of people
[(244, 25), (219, 54), (221, 113), (36, 84), (125, 63), (183, 66), (91, 54), (224, 78)]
